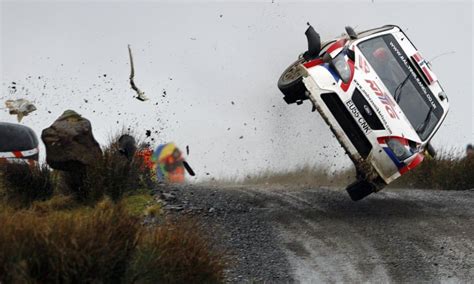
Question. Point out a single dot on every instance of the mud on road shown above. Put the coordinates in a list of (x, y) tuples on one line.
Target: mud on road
[(278, 234)]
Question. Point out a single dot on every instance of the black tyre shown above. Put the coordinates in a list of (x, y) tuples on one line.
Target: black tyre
[(291, 84), (360, 189)]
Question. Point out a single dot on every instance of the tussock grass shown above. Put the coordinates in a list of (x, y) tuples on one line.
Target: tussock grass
[(88, 228), (138, 203), (176, 253), (58, 202), (100, 244), (303, 175), (79, 246), (111, 175), (450, 170), (22, 184)]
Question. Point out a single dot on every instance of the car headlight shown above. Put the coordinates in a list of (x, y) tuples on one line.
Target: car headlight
[(341, 67), (398, 149)]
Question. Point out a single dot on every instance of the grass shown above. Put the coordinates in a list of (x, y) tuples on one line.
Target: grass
[(78, 246), (92, 232), (450, 170), (303, 175), (114, 176), (176, 253), (22, 184), (137, 204), (52, 242), (111, 175)]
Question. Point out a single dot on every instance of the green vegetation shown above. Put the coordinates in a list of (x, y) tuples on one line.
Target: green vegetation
[(176, 253), (303, 175), (52, 232), (22, 184), (137, 204), (104, 243), (450, 170)]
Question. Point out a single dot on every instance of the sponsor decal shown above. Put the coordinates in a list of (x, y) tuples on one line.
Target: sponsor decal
[(414, 74), (375, 107), (358, 117), (384, 98)]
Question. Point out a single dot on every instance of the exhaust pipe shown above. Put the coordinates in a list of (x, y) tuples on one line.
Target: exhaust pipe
[(314, 43)]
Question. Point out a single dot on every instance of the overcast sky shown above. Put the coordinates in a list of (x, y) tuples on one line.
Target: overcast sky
[(219, 63)]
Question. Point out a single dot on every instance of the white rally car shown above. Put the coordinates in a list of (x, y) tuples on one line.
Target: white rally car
[(377, 94)]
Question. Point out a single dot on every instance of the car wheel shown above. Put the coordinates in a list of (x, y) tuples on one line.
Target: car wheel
[(360, 189), (291, 83)]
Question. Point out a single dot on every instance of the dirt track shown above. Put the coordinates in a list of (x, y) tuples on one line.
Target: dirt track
[(319, 235)]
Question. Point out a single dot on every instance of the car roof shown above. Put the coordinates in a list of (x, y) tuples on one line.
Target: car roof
[(16, 137)]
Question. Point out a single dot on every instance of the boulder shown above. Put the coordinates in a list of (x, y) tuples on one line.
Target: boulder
[(70, 144)]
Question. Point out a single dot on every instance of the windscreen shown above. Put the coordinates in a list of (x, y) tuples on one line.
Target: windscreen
[(398, 75)]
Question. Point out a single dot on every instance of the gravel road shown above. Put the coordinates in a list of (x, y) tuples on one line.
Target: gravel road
[(308, 235)]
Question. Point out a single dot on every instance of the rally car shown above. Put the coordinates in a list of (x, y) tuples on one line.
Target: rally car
[(379, 97), (18, 143)]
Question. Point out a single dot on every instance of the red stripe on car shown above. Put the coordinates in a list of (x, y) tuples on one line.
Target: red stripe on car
[(338, 44), (415, 162), (17, 154), (383, 139), (427, 74), (313, 63), (417, 57)]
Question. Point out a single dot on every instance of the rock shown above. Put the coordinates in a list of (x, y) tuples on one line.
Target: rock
[(70, 144), (212, 209), (174, 207), (168, 196)]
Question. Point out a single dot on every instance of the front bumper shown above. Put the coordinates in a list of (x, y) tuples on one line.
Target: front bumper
[(371, 161)]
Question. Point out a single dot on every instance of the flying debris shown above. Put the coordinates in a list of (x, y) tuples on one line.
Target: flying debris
[(20, 107), (140, 94)]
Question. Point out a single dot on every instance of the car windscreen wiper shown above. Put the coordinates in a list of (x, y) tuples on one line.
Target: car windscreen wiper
[(421, 128), (398, 90)]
